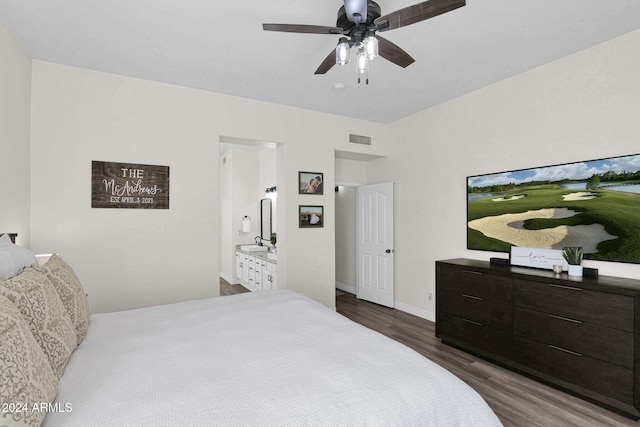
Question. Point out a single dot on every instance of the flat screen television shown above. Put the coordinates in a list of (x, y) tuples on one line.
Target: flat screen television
[(594, 204)]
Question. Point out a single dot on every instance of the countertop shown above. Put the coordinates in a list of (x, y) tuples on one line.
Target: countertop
[(258, 254)]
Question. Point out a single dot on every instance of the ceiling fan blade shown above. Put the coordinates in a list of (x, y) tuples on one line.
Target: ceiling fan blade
[(328, 62), (416, 13), (309, 29), (392, 52)]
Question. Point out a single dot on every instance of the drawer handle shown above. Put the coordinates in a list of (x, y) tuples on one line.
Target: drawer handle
[(473, 297), (472, 322), (473, 272), (564, 350), (571, 288), (566, 319)]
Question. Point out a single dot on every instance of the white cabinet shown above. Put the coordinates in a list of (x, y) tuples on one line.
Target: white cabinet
[(255, 272), (251, 279), (242, 266), (259, 265), (270, 276)]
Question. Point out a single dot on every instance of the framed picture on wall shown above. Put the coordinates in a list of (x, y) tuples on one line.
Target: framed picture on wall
[(310, 183), (311, 216)]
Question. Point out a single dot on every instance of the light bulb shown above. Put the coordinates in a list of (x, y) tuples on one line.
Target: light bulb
[(371, 47), (363, 66), (342, 52), (363, 63)]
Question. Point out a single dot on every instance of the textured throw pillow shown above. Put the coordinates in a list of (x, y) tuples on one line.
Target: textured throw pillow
[(38, 302), (13, 258), (26, 378), (70, 290)]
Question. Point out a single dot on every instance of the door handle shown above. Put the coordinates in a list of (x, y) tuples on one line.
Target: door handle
[(389, 251)]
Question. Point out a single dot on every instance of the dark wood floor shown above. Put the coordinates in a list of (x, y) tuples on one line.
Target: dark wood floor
[(517, 400), (227, 289)]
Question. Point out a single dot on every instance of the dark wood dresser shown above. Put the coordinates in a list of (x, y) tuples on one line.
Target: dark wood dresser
[(580, 334)]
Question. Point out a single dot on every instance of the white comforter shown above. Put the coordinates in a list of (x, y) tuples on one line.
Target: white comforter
[(269, 358)]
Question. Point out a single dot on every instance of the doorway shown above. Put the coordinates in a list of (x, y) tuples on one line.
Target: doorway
[(350, 172), (247, 169)]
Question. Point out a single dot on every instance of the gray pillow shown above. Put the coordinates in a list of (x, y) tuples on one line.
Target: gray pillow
[(13, 258)]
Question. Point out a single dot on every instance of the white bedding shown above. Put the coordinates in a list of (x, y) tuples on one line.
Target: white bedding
[(267, 358)]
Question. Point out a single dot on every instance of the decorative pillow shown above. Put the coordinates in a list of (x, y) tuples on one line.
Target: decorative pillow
[(70, 290), (5, 240), (26, 378), (13, 258), (38, 302)]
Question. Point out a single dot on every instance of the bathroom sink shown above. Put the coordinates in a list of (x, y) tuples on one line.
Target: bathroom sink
[(272, 256), (253, 248)]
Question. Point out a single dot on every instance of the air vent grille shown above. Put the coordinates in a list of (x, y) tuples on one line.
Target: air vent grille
[(359, 139)]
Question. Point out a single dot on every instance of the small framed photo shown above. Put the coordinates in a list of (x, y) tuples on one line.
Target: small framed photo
[(311, 216), (310, 183)]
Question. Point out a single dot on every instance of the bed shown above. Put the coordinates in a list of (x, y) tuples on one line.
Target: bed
[(265, 358)]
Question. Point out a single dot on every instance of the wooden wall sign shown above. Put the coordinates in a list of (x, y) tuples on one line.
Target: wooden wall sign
[(128, 185)]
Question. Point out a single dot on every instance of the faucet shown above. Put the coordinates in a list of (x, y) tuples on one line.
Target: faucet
[(258, 240)]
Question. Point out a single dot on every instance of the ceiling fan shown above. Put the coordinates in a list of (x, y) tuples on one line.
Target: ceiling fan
[(359, 21)]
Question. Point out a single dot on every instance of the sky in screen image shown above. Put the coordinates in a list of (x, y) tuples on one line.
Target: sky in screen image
[(575, 171)]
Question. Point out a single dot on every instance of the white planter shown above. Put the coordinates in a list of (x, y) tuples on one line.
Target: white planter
[(575, 270)]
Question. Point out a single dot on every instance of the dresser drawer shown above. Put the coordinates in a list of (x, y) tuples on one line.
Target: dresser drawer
[(611, 310), (605, 378), (609, 345), (476, 283), (463, 331), (492, 313)]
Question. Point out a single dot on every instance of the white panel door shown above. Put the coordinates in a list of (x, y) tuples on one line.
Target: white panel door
[(375, 243)]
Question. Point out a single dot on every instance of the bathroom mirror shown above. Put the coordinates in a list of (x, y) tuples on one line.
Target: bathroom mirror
[(265, 219)]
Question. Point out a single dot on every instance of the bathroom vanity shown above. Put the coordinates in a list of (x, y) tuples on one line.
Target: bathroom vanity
[(256, 270)]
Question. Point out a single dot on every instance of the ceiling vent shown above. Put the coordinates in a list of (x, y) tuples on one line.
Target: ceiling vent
[(359, 139)]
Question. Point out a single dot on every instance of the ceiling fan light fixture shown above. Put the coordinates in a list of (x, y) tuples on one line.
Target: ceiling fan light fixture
[(359, 21), (343, 51), (371, 47)]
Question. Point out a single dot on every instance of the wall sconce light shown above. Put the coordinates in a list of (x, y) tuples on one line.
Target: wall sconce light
[(271, 192)]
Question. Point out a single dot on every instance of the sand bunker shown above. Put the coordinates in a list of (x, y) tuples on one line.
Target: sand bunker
[(506, 199), (581, 195), (509, 228)]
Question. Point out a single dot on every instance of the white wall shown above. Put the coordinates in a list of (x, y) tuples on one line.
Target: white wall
[(246, 198), (353, 173), (578, 108), (15, 95), (268, 168), (131, 258), (226, 224), (581, 107), (346, 259), (239, 197)]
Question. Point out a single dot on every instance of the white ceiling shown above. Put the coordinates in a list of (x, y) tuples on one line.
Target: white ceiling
[(220, 46)]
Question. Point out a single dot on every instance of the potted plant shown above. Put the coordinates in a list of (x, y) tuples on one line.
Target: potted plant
[(573, 256), (273, 240)]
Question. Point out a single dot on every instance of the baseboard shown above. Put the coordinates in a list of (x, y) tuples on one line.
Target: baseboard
[(229, 280), (347, 288), (425, 314)]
